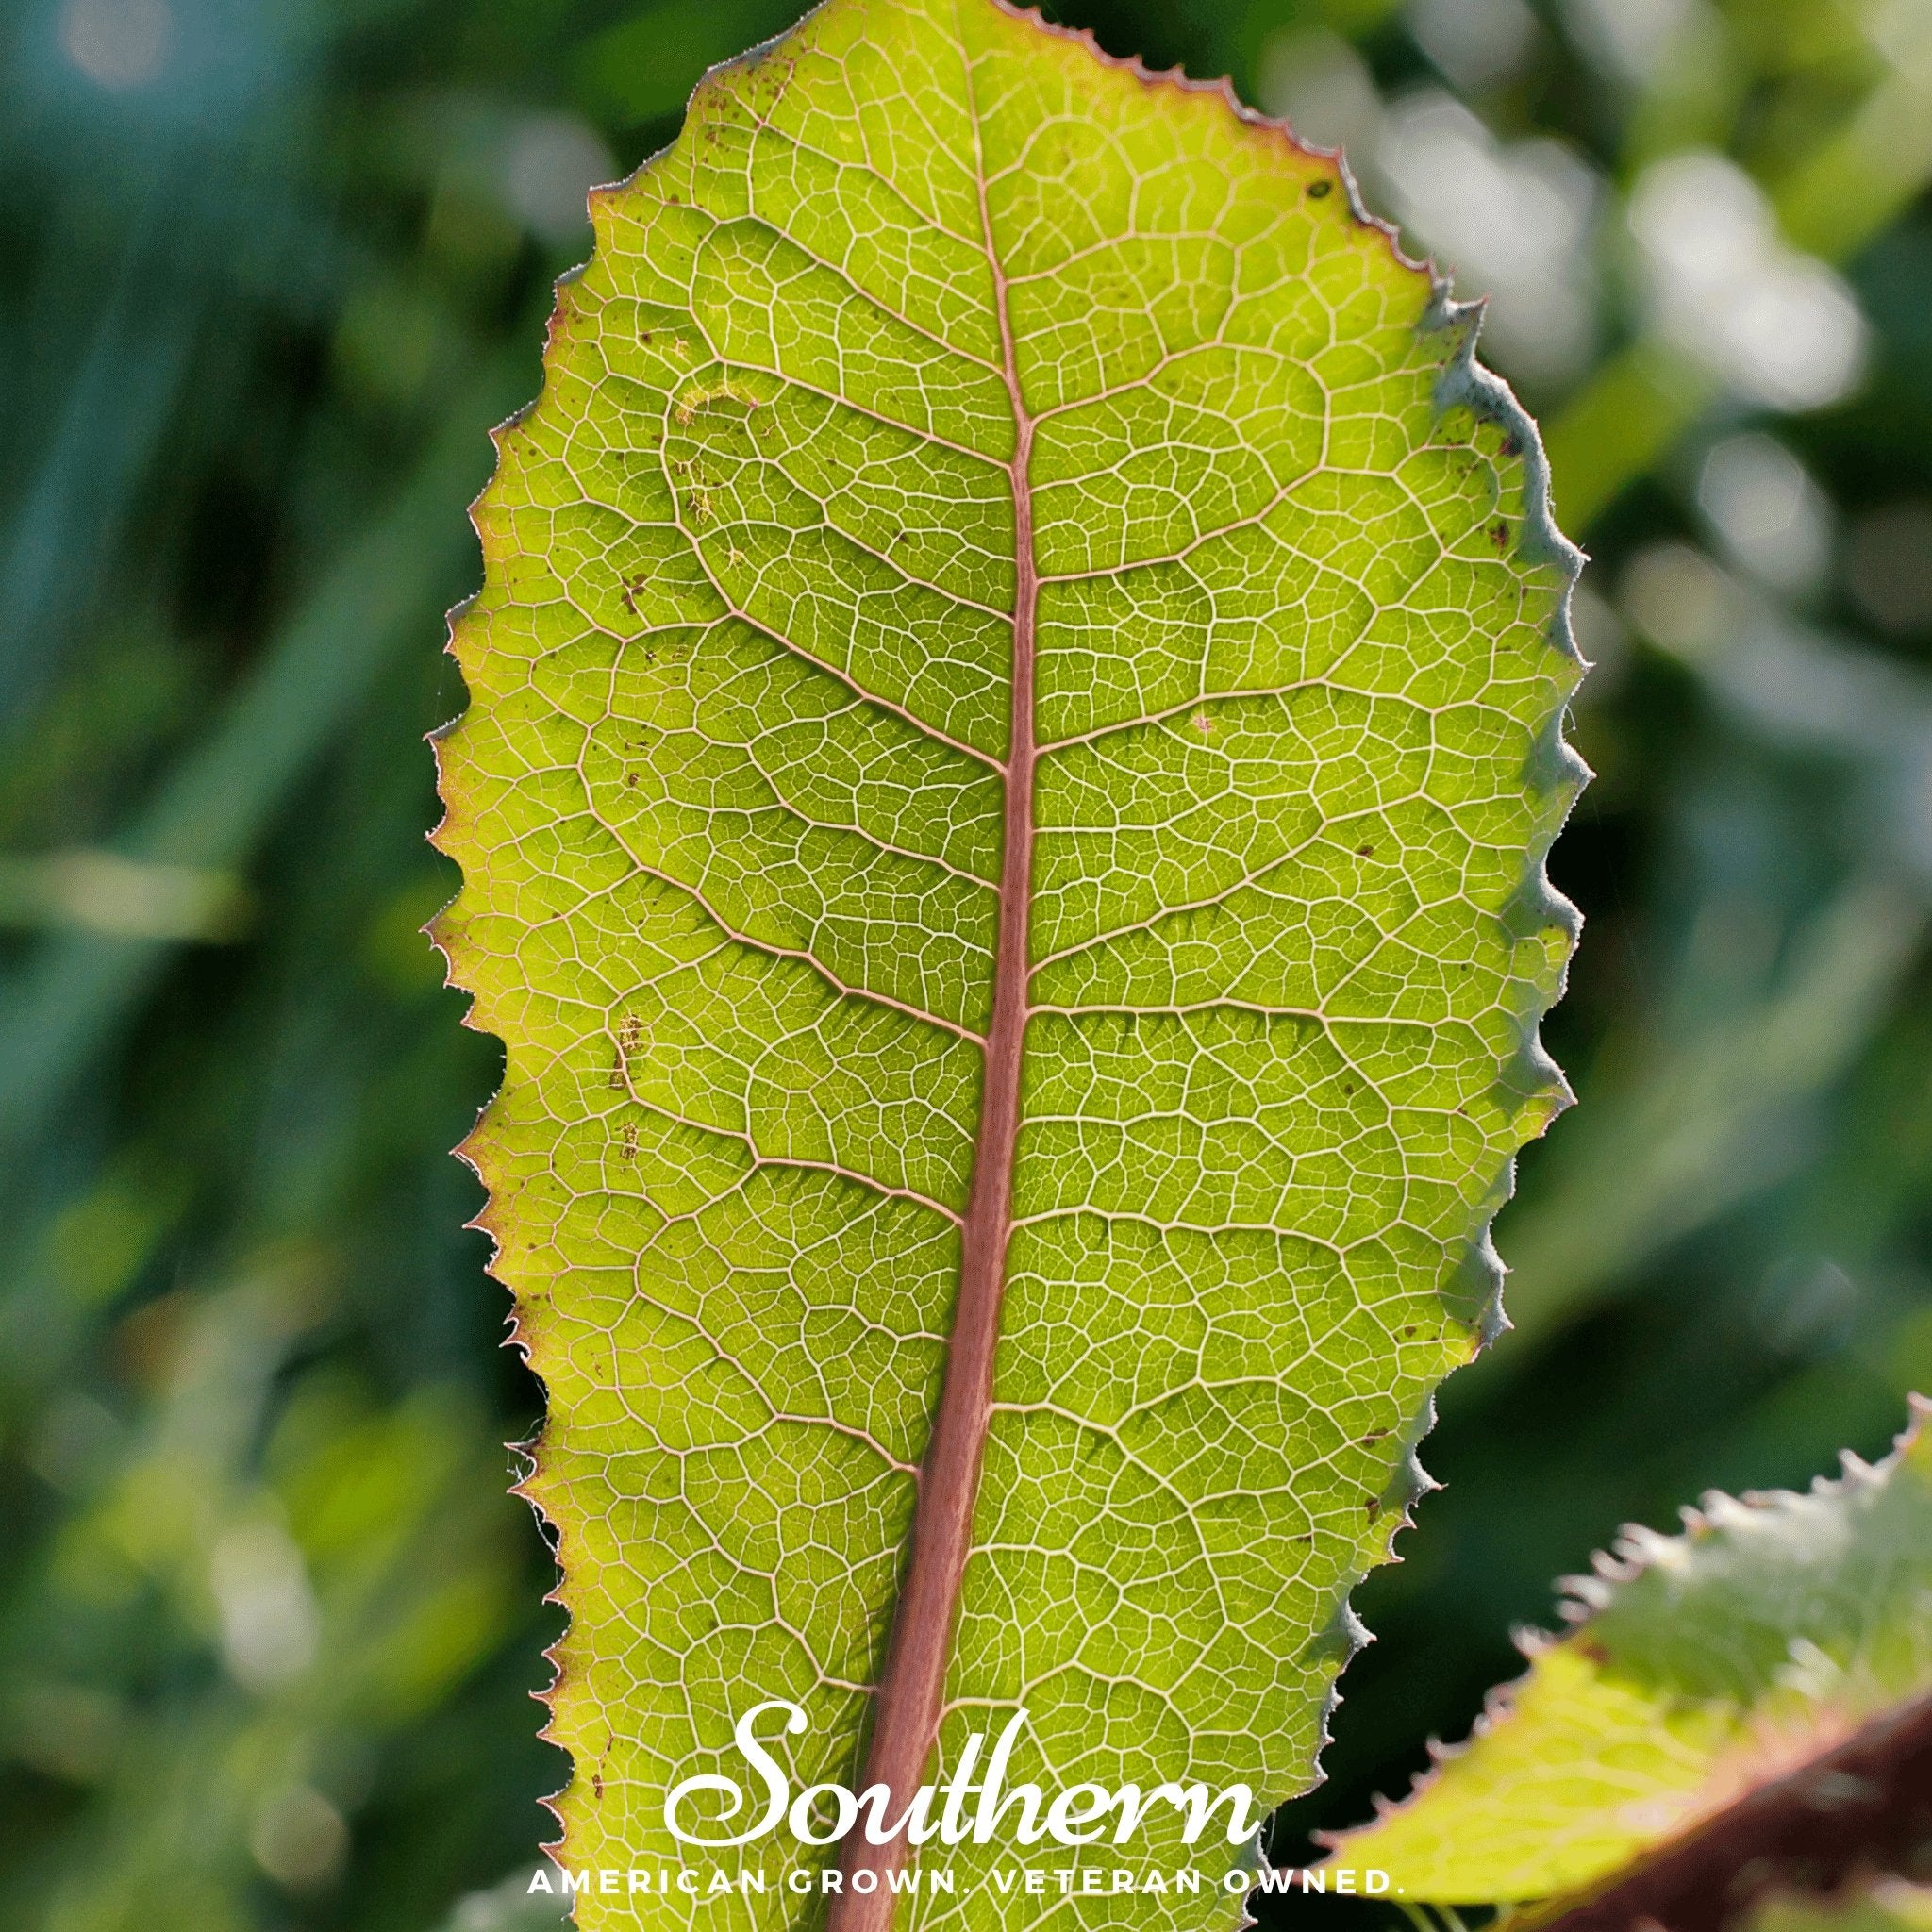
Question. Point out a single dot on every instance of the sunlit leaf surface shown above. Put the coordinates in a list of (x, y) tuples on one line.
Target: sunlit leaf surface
[(1013, 734)]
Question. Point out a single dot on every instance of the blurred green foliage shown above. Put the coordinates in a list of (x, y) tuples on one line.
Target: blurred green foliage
[(273, 265)]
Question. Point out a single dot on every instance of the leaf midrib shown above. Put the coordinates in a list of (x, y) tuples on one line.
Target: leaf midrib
[(1799, 1825), (907, 1707)]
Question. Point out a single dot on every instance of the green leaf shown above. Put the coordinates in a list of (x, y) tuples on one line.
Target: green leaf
[(1015, 729), (1781, 1645)]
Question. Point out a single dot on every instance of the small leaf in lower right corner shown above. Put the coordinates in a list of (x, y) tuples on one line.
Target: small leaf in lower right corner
[(1709, 1682)]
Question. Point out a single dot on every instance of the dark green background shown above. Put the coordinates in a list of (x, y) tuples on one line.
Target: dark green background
[(270, 268)]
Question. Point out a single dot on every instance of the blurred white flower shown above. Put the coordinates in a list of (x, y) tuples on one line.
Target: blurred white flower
[(299, 1838), (1472, 41), (1768, 515), (269, 1619), (550, 164), (1320, 86), (1779, 327), (1631, 39), (1902, 31), (1679, 598), (1514, 223), (117, 44)]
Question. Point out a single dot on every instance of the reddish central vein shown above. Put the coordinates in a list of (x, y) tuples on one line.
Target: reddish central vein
[(906, 1710)]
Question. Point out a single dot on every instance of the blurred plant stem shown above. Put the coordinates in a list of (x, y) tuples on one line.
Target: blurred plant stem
[(1693, 1121), (63, 1004)]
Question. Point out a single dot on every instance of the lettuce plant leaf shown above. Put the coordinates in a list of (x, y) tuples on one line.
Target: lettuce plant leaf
[(1745, 1705), (1015, 721)]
